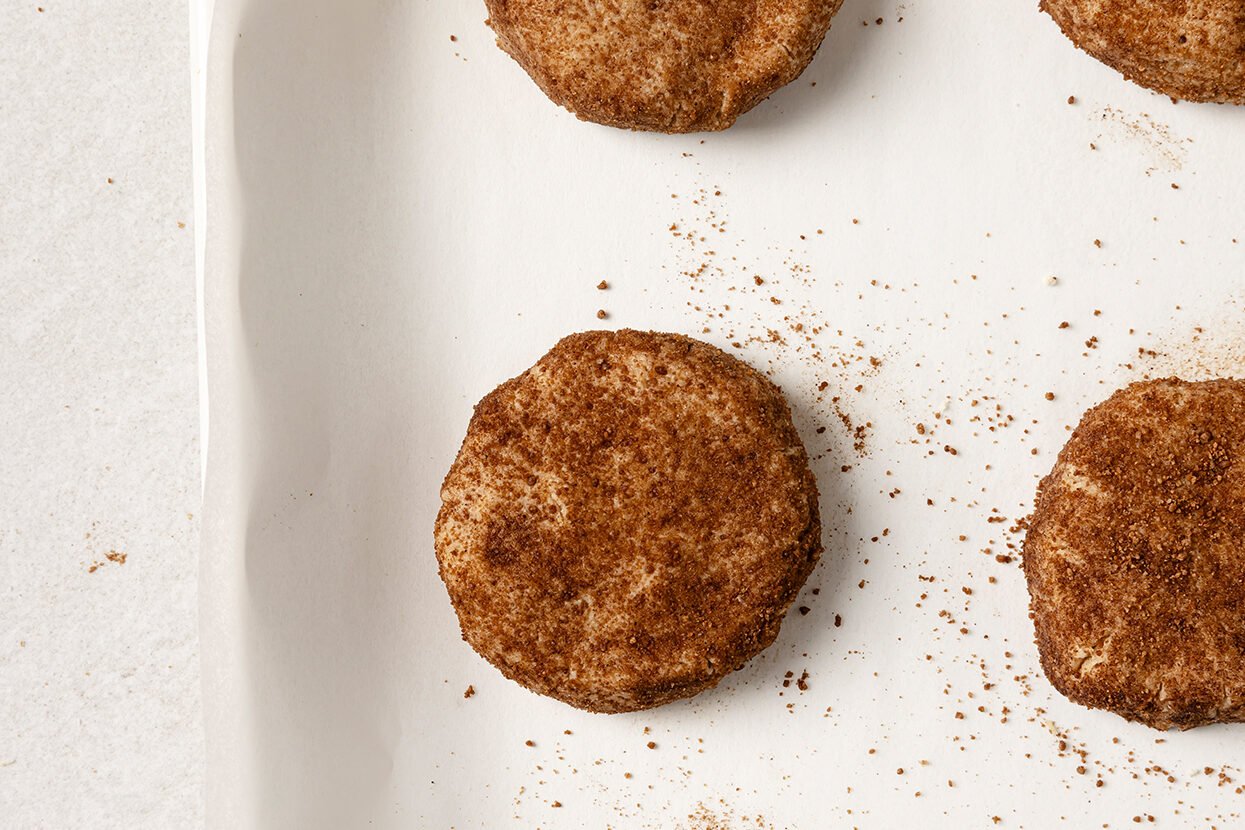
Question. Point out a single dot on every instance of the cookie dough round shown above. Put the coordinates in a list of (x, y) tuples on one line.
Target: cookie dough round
[(1193, 50), (672, 66), (1136, 556), (627, 521)]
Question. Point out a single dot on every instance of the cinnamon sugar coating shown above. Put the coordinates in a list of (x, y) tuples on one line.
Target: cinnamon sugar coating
[(627, 521), (673, 66), (1136, 556), (1190, 49)]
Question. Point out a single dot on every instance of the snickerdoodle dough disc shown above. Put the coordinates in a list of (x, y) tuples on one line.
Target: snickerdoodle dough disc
[(1136, 556), (673, 66), (627, 521), (1191, 49)]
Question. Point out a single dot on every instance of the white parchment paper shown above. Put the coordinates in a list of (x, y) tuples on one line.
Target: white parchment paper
[(397, 221)]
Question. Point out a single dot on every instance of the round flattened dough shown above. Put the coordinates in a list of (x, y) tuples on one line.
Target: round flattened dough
[(1136, 556), (627, 521), (674, 66), (1190, 49)]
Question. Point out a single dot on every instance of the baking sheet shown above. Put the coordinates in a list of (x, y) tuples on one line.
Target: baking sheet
[(397, 221)]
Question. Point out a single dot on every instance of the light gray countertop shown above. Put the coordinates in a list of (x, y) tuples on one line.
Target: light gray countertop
[(99, 440)]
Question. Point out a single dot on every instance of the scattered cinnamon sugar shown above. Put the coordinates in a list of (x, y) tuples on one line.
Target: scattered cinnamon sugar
[(114, 556), (723, 818), (1212, 348), (1166, 152)]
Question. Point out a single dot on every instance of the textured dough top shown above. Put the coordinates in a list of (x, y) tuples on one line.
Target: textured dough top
[(628, 520), (665, 65), (1190, 49), (1136, 556)]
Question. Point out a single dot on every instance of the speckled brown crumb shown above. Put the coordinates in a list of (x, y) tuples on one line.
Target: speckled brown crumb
[(589, 549), (677, 66), (1133, 557), (1183, 50)]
